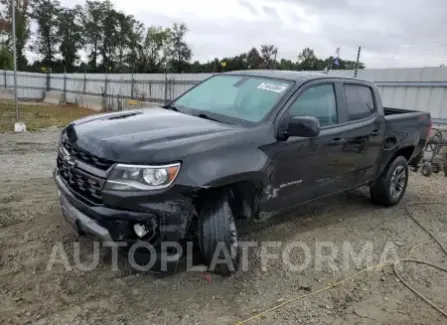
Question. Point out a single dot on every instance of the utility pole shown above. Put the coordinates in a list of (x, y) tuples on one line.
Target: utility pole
[(274, 62), (15, 57), (357, 62)]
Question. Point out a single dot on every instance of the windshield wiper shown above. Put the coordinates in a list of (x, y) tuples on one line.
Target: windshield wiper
[(207, 117), (201, 115), (171, 107)]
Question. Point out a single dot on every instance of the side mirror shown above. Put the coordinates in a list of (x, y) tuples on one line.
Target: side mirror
[(303, 126)]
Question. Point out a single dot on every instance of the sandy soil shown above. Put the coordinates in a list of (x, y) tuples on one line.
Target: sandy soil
[(31, 224)]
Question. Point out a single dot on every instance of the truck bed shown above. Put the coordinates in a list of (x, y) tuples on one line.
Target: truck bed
[(400, 125), (398, 111), (406, 118)]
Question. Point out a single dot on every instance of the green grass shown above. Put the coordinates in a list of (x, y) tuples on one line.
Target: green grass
[(40, 116)]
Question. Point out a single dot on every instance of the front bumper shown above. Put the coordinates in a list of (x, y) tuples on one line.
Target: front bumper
[(81, 223), (170, 215), (169, 220)]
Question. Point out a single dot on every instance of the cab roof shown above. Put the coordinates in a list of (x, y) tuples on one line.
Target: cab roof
[(297, 76)]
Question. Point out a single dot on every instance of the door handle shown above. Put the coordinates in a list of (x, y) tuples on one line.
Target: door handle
[(336, 141), (375, 133)]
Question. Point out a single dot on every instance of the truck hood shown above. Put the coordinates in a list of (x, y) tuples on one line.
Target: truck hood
[(154, 135)]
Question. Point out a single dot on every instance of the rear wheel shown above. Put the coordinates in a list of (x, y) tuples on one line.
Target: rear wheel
[(218, 235), (389, 189)]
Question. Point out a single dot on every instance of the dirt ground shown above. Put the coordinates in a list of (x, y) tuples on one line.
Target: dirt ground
[(31, 223)]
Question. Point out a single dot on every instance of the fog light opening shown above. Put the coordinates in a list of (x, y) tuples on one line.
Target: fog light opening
[(140, 230)]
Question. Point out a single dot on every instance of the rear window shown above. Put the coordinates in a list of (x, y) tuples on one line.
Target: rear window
[(360, 102)]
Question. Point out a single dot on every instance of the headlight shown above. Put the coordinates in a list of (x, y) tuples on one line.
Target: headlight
[(133, 177)]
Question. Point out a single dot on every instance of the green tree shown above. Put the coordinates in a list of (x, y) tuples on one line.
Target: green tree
[(46, 14), (22, 28), (196, 67), (238, 62), (92, 18), (70, 35), (180, 53), (109, 38), (122, 34), (6, 59), (153, 54), (254, 59), (285, 64), (268, 54), (135, 40), (307, 60)]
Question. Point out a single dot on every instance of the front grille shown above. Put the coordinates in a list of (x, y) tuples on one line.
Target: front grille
[(85, 156), (84, 185)]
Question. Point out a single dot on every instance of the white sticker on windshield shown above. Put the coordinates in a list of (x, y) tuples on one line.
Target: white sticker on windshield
[(273, 87)]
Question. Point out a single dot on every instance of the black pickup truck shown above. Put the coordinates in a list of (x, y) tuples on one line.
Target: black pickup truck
[(239, 145)]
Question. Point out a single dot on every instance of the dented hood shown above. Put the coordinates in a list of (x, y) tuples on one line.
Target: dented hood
[(149, 135)]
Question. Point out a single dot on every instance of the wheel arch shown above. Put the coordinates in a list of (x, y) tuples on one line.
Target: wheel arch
[(406, 152), (243, 196)]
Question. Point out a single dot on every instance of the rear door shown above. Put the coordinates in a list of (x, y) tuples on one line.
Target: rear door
[(363, 129)]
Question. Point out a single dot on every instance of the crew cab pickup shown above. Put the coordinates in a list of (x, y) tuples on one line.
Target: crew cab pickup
[(239, 145)]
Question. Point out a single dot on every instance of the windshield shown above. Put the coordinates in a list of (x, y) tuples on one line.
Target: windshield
[(240, 97)]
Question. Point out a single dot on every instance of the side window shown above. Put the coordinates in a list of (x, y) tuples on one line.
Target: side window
[(360, 102), (318, 101)]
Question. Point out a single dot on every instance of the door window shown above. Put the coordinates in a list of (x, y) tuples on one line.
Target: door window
[(317, 101), (360, 102)]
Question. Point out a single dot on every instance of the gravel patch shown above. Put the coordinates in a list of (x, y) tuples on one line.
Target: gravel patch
[(28, 155), (31, 224)]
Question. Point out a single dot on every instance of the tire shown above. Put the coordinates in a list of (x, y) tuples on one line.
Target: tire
[(218, 233), (426, 169), (390, 187), (436, 166)]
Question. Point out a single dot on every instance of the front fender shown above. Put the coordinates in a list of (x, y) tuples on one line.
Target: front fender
[(215, 169)]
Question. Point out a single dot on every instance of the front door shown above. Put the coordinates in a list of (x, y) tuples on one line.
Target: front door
[(306, 168)]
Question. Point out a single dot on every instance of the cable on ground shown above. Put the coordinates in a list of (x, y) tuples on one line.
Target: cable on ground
[(394, 265)]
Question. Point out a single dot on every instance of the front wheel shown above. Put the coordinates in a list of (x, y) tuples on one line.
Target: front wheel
[(389, 188), (218, 235)]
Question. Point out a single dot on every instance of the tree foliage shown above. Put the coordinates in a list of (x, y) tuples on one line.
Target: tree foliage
[(6, 59), (47, 15), (268, 55), (22, 28), (154, 49), (96, 37), (92, 19), (179, 52), (70, 36)]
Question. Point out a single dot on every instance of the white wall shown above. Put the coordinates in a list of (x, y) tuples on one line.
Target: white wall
[(422, 89)]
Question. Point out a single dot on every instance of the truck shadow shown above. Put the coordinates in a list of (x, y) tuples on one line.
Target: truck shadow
[(306, 217), (314, 212), (324, 212)]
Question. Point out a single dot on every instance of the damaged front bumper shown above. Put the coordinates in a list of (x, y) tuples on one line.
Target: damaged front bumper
[(166, 216)]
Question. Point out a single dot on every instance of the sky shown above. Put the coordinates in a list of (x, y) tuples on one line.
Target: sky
[(392, 33)]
